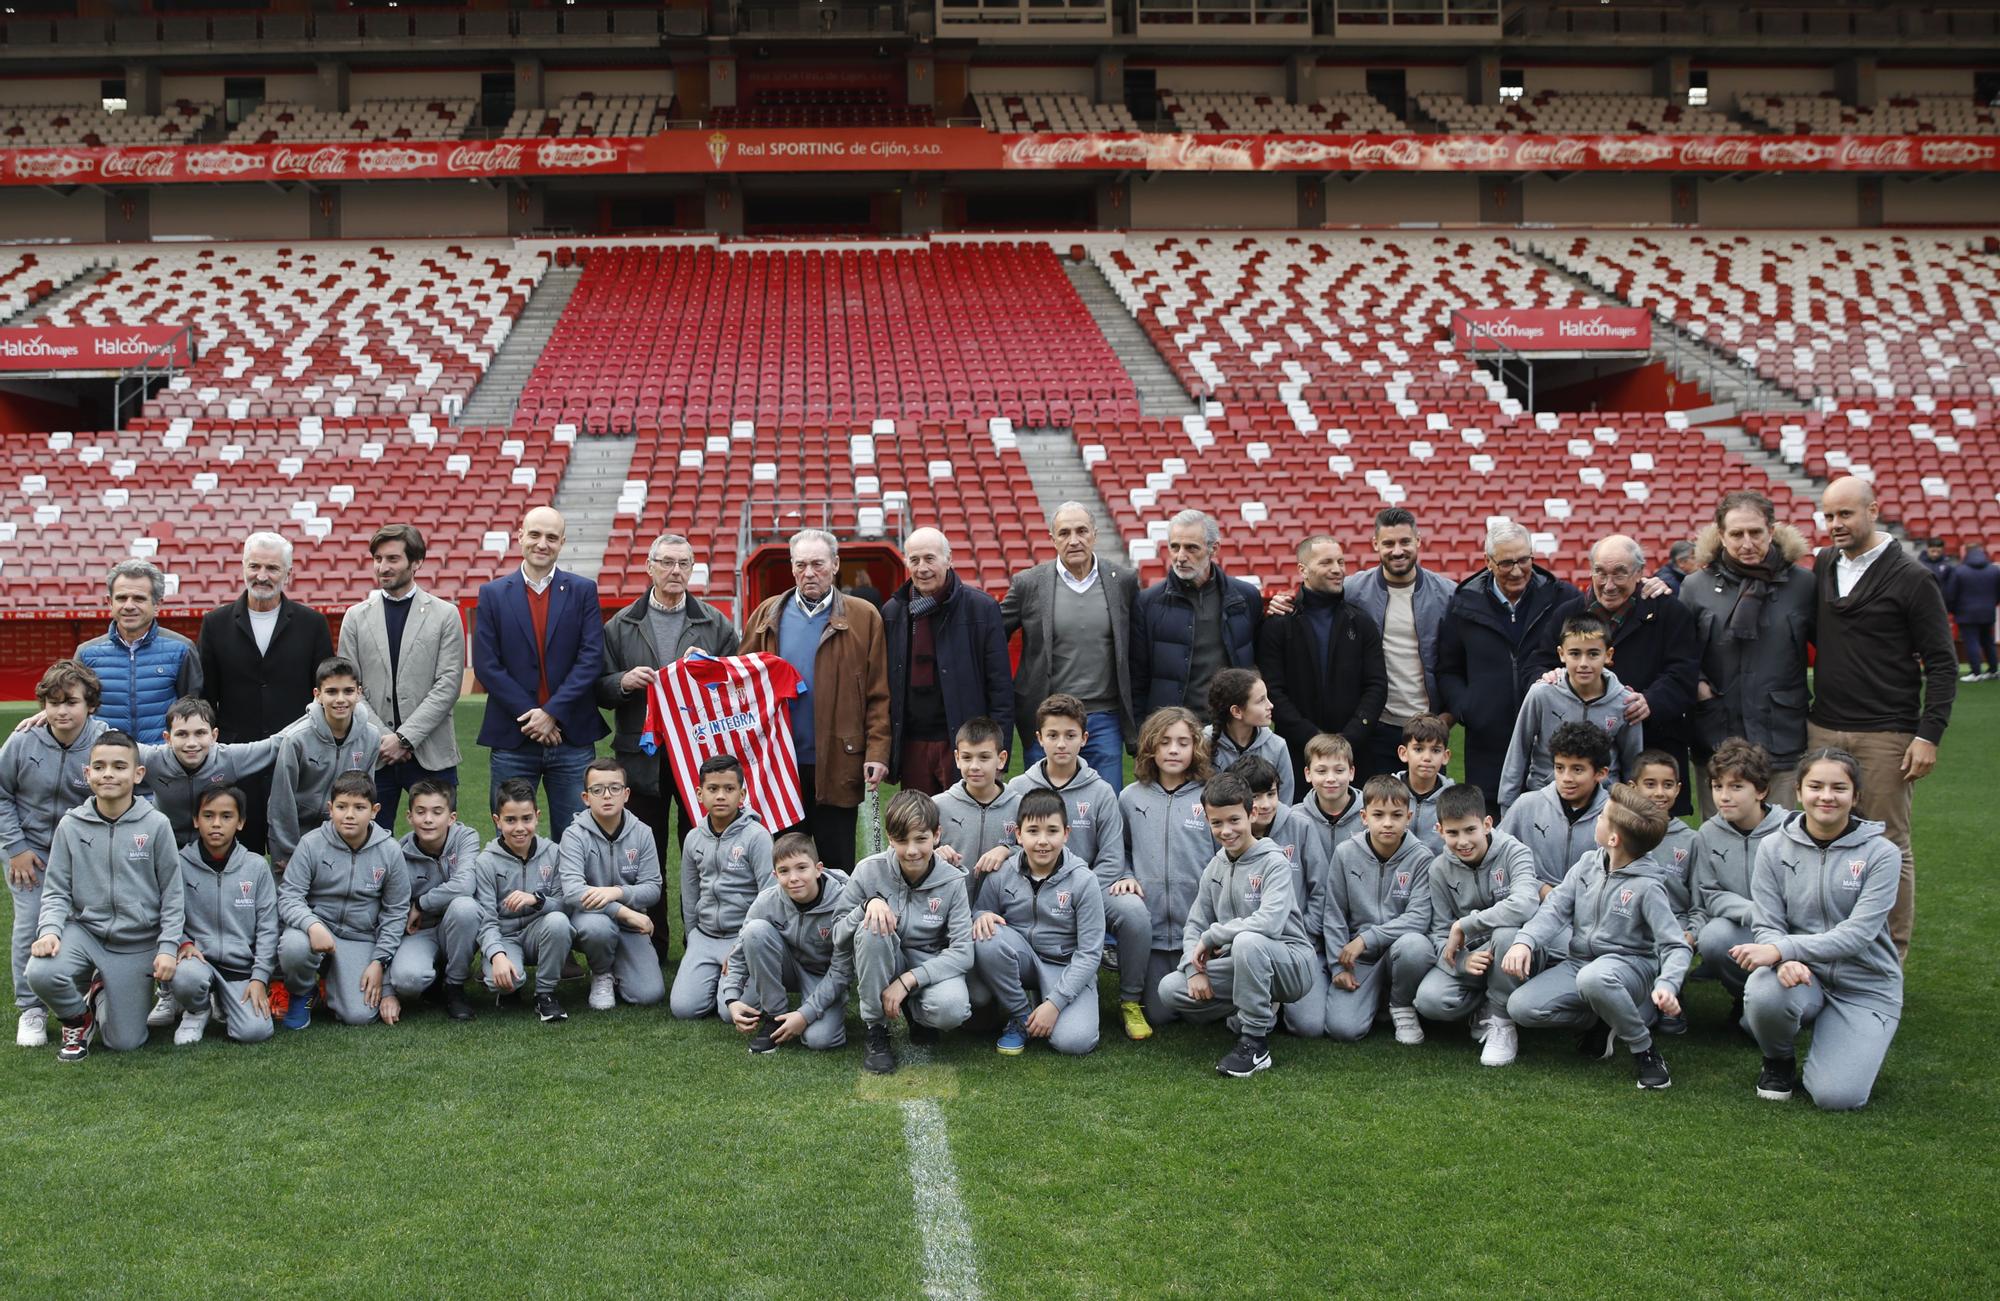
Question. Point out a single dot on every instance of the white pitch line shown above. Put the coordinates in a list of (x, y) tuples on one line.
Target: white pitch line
[(951, 1270)]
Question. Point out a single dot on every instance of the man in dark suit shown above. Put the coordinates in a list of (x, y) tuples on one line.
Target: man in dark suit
[(538, 649), (1074, 614), (1323, 662), (258, 654)]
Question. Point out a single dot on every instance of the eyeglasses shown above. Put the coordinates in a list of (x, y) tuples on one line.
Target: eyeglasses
[(1617, 575), (671, 564), (605, 788), (1521, 563)]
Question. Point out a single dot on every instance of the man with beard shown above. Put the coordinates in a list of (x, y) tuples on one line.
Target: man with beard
[(1408, 604)]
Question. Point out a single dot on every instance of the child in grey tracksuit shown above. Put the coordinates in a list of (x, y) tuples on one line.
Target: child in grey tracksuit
[(785, 945), (1722, 893), (113, 898), (1385, 903), (447, 916), (538, 936), (624, 857), (1097, 836), (309, 757), (1167, 846), (1625, 942), (1549, 705), (722, 873), (1246, 914), (230, 939), (970, 828), (1488, 899), (1053, 940), (176, 788), (1332, 830), (1266, 744), (359, 892), (933, 939), (1424, 811), (1555, 832), (1826, 906), (41, 779)]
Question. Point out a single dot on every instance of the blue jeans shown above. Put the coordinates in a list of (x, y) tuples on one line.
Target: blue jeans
[(1103, 748), (560, 768), (392, 781)]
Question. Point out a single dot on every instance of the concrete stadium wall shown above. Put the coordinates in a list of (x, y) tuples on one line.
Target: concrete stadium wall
[(1959, 200), (1239, 79), (44, 214), (1256, 202), (51, 90), (1763, 202), (1726, 83), (1584, 198), (1630, 80), (390, 210), (1389, 200), (247, 212), (1009, 77), (560, 82), (412, 85)]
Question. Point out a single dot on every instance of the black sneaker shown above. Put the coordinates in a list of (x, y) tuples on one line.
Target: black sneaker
[(1251, 1054), (1652, 1070), (1109, 962), (1778, 1078), (456, 1005), (547, 1008), (1597, 1042), (1671, 1025), (876, 1055), (1736, 1021), (921, 1034), (762, 1042)]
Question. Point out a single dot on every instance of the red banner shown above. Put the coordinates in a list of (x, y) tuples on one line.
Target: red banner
[(1570, 329), (90, 347), (970, 149)]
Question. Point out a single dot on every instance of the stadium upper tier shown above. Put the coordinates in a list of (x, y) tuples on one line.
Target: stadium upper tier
[(820, 108), (367, 120), (1956, 115), (1566, 112), (1035, 111), (591, 114), (31, 126), (1262, 114)]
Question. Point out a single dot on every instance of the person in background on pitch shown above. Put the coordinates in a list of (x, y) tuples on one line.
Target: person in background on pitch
[(1042, 926), (788, 943), (516, 888), (1167, 845), (1483, 889), (443, 928), (610, 877), (44, 773), (725, 864), (1971, 593), (1239, 706), (1244, 951), (229, 943), (910, 928), (332, 739)]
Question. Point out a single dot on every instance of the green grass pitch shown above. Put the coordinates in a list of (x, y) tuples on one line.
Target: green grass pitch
[(625, 1153)]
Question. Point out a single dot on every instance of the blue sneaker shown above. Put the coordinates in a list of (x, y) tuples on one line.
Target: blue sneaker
[(1014, 1039), (300, 1012)]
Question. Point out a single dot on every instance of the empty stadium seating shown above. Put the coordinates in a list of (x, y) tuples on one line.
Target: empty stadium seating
[(1032, 111), (692, 336), (28, 275), (1578, 111), (591, 114), (30, 126), (819, 108), (1957, 115), (1211, 111), (368, 120)]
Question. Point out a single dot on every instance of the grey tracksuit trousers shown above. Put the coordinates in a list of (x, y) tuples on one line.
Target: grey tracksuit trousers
[(770, 972), (879, 959), (1009, 964), (1849, 1039), (697, 981), (452, 941), (629, 956), (1617, 987), (201, 989), (62, 981), (543, 944), (1349, 1014), (1250, 981), (27, 912), (341, 968), (1452, 995)]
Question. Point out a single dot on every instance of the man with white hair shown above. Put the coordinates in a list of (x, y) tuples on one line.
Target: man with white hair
[(258, 654), (141, 667), (840, 724), (1494, 643), (1193, 623), (947, 664)]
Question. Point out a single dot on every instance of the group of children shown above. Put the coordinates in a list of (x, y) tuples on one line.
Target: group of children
[(1589, 907)]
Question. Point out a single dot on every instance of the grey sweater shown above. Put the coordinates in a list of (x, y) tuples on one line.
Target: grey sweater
[(308, 760), (1541, 821), (499, 872), (1829, 908), (721, 875), (1551, 704), (1062, 919), (933, 920), (231, 912), (1096, 826), (810, 933), (1499, 891), (1167, 844), (41, 779), (1257, 892), (1381, 900), (358, 894), (1266, 744), (1722, 881), (176, 790), (629, 860), (119, 879), (1604, 912), (972, 828), (436, 880)]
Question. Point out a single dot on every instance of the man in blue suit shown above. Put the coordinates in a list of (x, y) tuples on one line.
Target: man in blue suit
[(538, 648)]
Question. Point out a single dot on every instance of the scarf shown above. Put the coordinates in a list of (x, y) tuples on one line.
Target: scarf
[(1755, 581)]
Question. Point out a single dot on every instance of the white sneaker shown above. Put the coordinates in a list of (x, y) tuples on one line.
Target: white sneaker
[(603, 993), (1409, 1030), (1479, 1024), (193, 1025), (165, 1012), (1971, 677), (1503, 1043), (33, 1029)]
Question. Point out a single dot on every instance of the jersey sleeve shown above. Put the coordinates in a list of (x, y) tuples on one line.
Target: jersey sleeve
[(654, 734), (786, 684)]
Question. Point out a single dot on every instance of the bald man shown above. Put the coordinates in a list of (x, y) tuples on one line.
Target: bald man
[(947, 664), (538, 649), (1886, 672)]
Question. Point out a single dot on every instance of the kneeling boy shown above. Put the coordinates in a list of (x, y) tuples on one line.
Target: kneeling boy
[(443, 927), (230, 945), (787, 943), (1375, 921), (518, 893), (344, 902), (1041, 924), (1483, 888), (610, 878)]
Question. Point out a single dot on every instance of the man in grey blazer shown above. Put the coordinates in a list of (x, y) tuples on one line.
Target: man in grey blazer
[(410, 648), (1074, 614)]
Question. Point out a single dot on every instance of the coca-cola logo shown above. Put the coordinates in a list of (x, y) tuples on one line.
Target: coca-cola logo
[(1402, 152), (574, 154), (393, 159), (1716, 153), (1070, 151), (1470, 152), (1204, 154), (1954, 153), (484, 160), (221, 162), (1566, 152), (329, 160), (1865, 154), (138, 165), (51, 167)]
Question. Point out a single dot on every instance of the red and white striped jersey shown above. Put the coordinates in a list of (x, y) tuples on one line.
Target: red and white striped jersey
[(702, 706)]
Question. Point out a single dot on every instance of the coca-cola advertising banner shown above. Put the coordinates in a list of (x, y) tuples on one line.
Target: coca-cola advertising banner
[(973, 150), (89, 347), (1599, 329)]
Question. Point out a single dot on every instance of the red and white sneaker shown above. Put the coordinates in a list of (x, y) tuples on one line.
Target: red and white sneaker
[(76, 1038)]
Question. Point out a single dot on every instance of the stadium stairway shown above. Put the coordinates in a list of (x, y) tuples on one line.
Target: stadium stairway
[(493, 401), (588, 498), (1060, 473), (1160, 391)]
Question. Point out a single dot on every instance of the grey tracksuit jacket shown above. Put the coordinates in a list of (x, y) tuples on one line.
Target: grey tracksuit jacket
[(1381, 900), (1500, 891), (41, 779), (1310, 854), (1548, 706), (933, 919), (358, 894), (1096, 825), (1257, 892), (1541, 821), (436, 880), (1167, 844), (721, 875), (1624, 912), (1722, 878), (176, 791), (1680, 853), (1829, 908), (120, 880), (1062, 919), (972, 828), (587, 857), (497, 873), (232, 912), (1424, 811), (302, 775), (1266, 744), (1332, 830), (810, 933)]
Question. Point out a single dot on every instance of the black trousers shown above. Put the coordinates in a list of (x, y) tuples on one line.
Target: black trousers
[(831, 826), (656, 810)]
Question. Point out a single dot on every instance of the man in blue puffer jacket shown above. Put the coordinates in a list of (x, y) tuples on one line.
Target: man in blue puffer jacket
[(141, 667), (1192, 623)]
